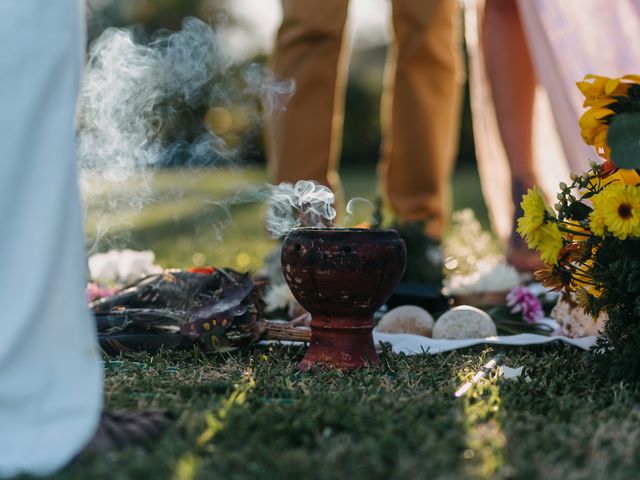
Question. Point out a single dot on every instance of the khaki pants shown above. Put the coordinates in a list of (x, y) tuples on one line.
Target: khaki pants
[(420, 104)]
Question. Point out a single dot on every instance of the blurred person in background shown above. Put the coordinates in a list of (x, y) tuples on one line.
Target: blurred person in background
[(50, 368), (525, 58), (50, 371), (420, 111)]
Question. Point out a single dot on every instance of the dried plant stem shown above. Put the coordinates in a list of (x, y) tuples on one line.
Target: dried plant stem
[(284, 331)]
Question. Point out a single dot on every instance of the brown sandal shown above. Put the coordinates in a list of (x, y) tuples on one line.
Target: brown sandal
[(119, 429)]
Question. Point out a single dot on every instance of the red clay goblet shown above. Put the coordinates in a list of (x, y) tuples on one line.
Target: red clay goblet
[(342, 276)]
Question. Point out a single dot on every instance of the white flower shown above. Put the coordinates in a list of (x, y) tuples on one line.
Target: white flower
[(121, 266), (573, 321), (488, 277), (468, 243)]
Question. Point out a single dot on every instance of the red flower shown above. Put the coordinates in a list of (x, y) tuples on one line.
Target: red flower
[(203, 270), (607, 168)]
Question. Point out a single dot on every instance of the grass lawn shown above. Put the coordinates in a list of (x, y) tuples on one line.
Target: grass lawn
[(250, 414)]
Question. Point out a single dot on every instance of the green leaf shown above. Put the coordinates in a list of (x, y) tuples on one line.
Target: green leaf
[(579, 211), (588, 195), (623, 138)]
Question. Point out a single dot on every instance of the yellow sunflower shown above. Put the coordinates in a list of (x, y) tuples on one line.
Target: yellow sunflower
[(553, 277), (535, 215), (619, 205), (593, 117), (596, 218), (593, 128), (596, 88), (599, 93), (550, 243)]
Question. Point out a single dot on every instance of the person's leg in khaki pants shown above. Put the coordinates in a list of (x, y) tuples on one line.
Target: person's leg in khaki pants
[(305, 140), (421, 104), (421, 111)]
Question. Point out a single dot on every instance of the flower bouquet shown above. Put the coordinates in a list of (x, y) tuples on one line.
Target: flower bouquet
[(590, 240)]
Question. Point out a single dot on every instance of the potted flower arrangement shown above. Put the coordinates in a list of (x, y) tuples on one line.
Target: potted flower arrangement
[(590, 240)]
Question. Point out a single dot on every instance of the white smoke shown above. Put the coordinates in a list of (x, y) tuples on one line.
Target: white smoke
[(305, 204), (143, 106), (360, 211), (273, 90)]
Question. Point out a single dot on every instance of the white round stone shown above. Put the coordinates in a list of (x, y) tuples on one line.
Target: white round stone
[(407, 319), (464, 322)]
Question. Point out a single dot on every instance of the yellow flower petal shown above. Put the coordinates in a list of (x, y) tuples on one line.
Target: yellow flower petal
[(610, 85), (623, 176), (535, 212), (550, 242), (619, 206)]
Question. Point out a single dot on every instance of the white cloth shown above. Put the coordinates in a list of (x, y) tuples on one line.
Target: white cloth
[(50, 370), (410, 344), (566, 39), (415, 344)]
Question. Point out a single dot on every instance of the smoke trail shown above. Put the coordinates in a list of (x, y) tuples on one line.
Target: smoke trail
[(305, 204), (144, 106), (273, 90), (360, 211)]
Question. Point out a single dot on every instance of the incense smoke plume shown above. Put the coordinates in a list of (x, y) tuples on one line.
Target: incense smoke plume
[(144, 106), (360, 212), (305, 204)]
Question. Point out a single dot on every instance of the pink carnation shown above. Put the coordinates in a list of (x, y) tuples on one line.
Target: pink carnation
[(521, 300)]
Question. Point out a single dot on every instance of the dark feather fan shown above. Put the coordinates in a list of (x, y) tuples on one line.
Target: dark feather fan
[(219, 309)]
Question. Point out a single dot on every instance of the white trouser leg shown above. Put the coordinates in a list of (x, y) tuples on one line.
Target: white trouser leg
[(50, 371)]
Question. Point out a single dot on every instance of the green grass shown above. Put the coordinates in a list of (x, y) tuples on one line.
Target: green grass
[(252, 415), (397, 421), (186, 217)]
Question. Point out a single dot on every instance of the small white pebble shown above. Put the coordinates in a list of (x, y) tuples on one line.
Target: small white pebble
[(407, 319), (509, 373)]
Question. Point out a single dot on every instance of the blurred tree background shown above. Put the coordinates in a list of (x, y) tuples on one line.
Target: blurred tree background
[(361, 139)]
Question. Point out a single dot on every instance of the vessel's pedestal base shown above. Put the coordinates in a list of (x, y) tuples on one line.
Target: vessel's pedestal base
[(335, 344)]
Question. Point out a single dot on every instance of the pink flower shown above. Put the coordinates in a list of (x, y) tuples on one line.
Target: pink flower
[(95, 291), (521, 300)]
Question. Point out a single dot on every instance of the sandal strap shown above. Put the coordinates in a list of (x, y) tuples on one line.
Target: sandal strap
[(118, 429)]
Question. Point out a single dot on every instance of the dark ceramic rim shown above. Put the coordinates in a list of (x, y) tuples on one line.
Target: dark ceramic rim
[(341, 231)]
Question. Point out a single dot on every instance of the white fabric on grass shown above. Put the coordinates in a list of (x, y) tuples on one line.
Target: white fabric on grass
[(415, 344), (410, 344), (50, 372)]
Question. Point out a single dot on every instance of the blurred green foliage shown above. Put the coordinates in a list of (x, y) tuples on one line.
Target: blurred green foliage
[(149, 16)]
